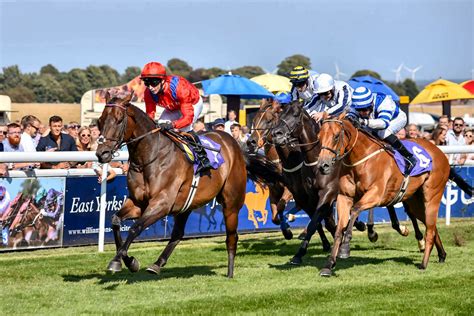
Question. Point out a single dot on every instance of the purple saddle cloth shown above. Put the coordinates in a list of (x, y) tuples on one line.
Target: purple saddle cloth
[(214, 156), (424, 160)]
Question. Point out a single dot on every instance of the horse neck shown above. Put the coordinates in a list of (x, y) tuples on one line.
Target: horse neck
[(309, 136), (360, 143)]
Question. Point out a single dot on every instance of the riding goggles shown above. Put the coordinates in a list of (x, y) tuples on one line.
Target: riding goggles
[(151, 82)]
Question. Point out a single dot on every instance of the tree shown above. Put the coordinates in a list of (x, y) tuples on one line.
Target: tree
[(198, 74), (366, 72), (20, 94), (130, 74), (179, 67), (49, 69), (76, 84), (410, 88), (215, 72), (248, 71), (47, 89), (289, 63), (112, 75), (97, 78), (11, 77)]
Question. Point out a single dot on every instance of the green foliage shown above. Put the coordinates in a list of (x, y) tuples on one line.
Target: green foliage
[(47, 89), (366, 72), (379, 278), (198, 74), (215, 72), (289, 63), (130, 74), (30, 187), (248, 71), (179, 67), (20, 94), (97, 78), (49, 69), (11, 77), (76, 84), (113, 77)]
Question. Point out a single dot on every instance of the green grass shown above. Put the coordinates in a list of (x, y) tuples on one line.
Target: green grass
[(379, 278)]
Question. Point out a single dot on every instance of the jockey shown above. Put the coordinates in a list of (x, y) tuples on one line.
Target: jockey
[(181, 101), (303, 84), (332, 97), (380, 113)]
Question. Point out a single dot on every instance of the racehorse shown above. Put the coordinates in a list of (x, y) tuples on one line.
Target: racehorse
[(370, 177), (30, 228), (160, 180), (263, 123)]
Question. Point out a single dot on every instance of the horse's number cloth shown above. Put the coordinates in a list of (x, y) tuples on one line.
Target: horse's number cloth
[(424, 161), (215, 157)]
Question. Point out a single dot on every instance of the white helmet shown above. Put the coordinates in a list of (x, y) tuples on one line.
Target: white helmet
[(324, 83)]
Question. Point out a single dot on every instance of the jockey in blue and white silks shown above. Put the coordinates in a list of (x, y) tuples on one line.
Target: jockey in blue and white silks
[(380, 113), (331, 98)]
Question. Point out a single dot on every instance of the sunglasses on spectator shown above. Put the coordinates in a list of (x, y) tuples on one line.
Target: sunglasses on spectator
[(86, 135), (459, 125), (151, 82), (4, 133), (74, 126)]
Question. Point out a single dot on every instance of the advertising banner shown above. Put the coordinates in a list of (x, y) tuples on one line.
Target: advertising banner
[(31, 212)]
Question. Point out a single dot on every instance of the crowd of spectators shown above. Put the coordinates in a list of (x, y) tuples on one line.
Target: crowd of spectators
[(30, 135)]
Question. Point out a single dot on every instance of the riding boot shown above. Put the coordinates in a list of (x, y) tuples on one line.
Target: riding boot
[(410, 160), (203, 161)]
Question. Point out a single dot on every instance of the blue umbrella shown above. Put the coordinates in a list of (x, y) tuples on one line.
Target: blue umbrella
[(234, 85), (375, 85)]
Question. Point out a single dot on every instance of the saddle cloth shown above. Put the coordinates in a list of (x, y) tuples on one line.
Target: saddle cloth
[(424, 160), (214, 156)]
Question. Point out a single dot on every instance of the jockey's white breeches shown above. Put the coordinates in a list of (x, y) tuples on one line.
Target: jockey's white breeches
[(175, 115), (394, 126)]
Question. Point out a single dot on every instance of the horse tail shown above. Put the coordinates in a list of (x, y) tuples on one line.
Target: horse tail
[(261, 170), (462, 184)]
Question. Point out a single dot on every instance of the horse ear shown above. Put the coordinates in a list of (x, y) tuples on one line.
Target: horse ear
[(107, 96), (129, 97)]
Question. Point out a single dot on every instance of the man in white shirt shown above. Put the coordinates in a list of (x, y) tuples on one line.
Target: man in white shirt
[(31, 125), (455, 137), (232, 116)]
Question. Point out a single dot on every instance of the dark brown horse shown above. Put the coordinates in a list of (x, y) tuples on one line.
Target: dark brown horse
[(295, 138), (371, 178), (160, 180)]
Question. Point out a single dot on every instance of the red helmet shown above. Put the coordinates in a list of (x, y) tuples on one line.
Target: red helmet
[(153, 70)]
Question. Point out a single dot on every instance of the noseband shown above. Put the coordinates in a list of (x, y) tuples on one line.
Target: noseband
[(292, 141), (261, 141), (122, 128)]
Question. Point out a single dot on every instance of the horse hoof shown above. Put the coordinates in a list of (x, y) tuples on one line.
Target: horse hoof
[(325, 272), (404, 231), (132, 264), (291, 217), (296, 261), (360, 226), (302, 236), (288, 234), (153, 269), (374, 237), (442, 259), (421, 245), (114, 266)]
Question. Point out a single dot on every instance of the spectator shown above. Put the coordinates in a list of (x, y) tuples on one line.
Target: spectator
[(3, 132), (444, 121), (4, 205), (73, 129), (95, 132), (231, 115), (31, 127), (413, 131), (426, 135), (83, 142), (402, 134), (13, 144), (246, 131), (199, 127), (236, 133), (219, 125), (56, 141), (469, 138), (439, 135), (455, 137)]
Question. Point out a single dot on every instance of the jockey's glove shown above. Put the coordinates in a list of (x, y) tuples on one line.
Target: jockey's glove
[(363, 121), (166, 125)]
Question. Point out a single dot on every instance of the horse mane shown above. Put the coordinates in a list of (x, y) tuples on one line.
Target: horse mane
[(371, 137)]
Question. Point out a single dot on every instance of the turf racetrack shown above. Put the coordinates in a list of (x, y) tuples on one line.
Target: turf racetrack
[(378, 278)]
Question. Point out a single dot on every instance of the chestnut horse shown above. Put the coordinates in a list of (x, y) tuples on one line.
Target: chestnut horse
[(160, 180), (370, 177)]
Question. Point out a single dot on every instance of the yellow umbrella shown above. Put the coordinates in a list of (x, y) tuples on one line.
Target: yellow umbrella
[(441, 90), (273, 83)]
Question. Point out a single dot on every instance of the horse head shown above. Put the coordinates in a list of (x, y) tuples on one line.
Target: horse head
[(113, 126), (334, 146), (262, 124)]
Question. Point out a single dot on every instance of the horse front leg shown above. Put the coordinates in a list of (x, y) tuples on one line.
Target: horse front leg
[(371, 233), (154, 212), (402, 230), (314, 224), (344, 205), (176, 236)]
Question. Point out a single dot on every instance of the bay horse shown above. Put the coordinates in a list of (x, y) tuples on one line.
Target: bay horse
[(370, 177), (160, 180), (263, 123)]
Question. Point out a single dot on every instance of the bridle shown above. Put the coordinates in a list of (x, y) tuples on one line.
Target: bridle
[(290, 140), (263, 140), (340, 142)]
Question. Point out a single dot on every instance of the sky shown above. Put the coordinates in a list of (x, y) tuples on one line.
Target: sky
[(363, 34)]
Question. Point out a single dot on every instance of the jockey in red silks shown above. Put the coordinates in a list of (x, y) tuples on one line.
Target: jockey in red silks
[(181, 101)]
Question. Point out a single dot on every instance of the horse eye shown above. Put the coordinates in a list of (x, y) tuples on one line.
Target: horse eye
[(336, 138)]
